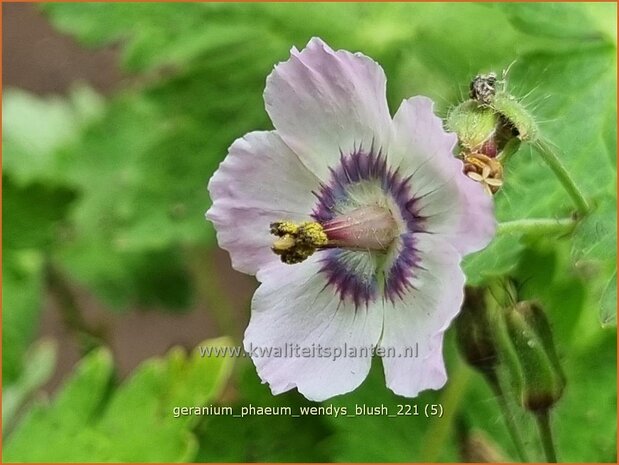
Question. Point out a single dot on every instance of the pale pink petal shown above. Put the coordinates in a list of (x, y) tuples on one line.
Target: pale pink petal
[(260, 181), (450, 203), (293, 306), (419, 319), (322, 101)]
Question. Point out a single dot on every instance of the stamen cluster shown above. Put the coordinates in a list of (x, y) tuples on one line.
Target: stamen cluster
[(297, 242)]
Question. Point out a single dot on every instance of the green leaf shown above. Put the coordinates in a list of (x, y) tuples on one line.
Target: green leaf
[(165, 35), (594, 251), (595, 238), (61, 424), (584, 102), (122, 279), (546, 274), (608, 302), (143, 168), (34, 216), (90, 421), (22, 286), (142, 171), (585, 420), (34, 219), (578, 21), (33, 128), (378, 437), (573, 89), (40, 361), (499, 258), (262, 438)]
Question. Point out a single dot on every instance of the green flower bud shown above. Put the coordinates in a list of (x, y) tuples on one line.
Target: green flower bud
[(493, 122), (474, 123), (515, 117), (474, 332), (541, 378)]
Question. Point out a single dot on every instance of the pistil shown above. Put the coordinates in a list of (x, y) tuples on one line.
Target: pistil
[(365, 228), (372, 227)]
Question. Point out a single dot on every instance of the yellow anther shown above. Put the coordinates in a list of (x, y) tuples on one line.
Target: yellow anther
[(283, 243), (312, 234), (281, 228), (297, 242)]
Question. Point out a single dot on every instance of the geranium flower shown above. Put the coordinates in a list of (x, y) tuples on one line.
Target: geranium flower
[(354, 223)]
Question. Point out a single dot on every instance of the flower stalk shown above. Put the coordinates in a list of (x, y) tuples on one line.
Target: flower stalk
[(476, 336), (537, 227), (549, 155), (545, 434), (538, 372), (508, 417)]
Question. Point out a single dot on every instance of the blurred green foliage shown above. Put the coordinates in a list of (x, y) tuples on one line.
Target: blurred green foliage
[(89, 421), (112, 191)]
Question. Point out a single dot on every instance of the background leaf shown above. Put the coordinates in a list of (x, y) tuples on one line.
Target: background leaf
[(263, 438), (40, 361), (577, 21), (22, 283), (90, 420)]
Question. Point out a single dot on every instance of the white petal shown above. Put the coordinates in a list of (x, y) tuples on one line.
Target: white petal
[(420, 319), (452, 204), (322, 101), (260, 181), (293, 307)]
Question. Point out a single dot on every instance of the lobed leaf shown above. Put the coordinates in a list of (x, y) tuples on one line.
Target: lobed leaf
[(90, 420)]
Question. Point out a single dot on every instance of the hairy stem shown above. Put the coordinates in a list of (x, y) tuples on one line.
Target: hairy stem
[(508, 416), (549, 155), (537, 226)]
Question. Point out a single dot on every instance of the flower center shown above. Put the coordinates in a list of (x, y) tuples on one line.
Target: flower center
[(369, 228), (365, 228), (364, 222)]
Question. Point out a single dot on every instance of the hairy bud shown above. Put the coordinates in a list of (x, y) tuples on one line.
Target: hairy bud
[(541, 378), (474, 332), (475, 124), (515, 117)]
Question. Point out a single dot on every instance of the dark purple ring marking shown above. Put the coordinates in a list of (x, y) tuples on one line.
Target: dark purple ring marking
[(356, 167)]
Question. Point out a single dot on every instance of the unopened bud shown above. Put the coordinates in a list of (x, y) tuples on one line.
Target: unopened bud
[(515, 116), (541, 378), (475, 124), (474, 332), (493, 122)]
